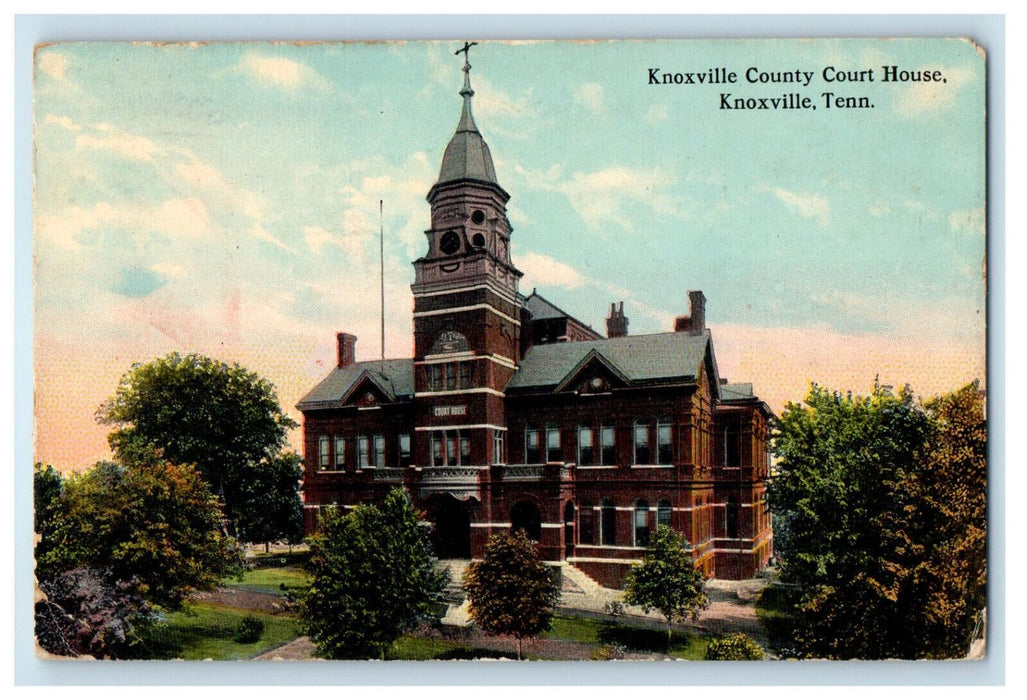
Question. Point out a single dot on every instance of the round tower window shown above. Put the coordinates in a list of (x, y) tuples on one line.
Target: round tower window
[(478, 241), (478, 217)]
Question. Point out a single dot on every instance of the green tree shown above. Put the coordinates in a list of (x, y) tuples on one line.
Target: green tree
[(667, 580), (221, 418), (374, 577), (883, 501), (268, 507), (510, 590), (149, 522), (47, 488)]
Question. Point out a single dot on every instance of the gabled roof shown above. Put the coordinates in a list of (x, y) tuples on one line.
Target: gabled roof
[(541, 308), (593, 357), (641, 358), (729, 392), (395, 378)]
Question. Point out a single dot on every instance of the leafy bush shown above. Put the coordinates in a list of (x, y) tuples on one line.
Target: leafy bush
[(734, 647), (249, 630), (607, 652)]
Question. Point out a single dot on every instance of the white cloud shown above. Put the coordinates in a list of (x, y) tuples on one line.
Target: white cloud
[(493, 103), (207, 181), (599, 197), (806, 205), (260, 233), (657, 113), (920, 98), (968, 221), (122, 144), (174, 217), (64, 122), (590, 96), (542, 270), (52, 64), (169, 269), (280, 72)]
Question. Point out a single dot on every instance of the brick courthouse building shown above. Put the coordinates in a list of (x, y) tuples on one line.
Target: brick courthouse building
[(514, 414)]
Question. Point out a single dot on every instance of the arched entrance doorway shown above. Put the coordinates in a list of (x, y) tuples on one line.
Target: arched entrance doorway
[(525, 516), (451, 527)]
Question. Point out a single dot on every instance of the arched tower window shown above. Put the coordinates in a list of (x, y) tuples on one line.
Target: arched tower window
[(663, 513), (641, 524)]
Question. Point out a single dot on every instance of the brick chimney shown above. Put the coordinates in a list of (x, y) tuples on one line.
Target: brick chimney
[(617, 324), (347, 348), (695, 322)]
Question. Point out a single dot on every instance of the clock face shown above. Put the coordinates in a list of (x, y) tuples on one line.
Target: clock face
[(450, 242)]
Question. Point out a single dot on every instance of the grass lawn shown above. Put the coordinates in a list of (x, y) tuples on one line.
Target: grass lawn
[(683, 645), (203, 631), (269, 580), (774, 611)]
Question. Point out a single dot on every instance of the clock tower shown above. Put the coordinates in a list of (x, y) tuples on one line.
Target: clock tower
[(467, 312)]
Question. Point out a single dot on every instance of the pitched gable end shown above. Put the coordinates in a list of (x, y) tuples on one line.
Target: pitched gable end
[(370, 389), (594, 373)]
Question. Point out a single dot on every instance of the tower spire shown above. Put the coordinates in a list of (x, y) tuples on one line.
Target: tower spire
[(466, 117)]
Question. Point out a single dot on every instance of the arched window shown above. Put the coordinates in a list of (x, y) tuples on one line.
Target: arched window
[(586, 523), (663, 512), (608, 522), (525, 516), (641, 518), (664, 450), (643, 451)]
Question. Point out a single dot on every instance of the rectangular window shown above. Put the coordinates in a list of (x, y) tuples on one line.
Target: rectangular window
[(732, 456), (664, 453), (434, 378), (438, 459), (465, 448), (379, 451), (586, 450), (340, 453), (642, 455), (553, 444), (498, 447), (465, 375), (451, 445), (363, 450), (609, 454), (404, 450), (532, 452), (450, 377), (322, 452)]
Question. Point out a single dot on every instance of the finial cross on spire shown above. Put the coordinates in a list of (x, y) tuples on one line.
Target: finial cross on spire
[(466, 51)]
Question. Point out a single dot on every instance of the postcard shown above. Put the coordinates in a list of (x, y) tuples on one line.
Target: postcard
[(538, 350)]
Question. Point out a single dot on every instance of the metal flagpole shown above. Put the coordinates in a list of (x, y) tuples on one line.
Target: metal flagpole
[(381, 261)]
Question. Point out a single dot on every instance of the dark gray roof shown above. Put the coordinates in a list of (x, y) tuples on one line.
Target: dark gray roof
[(541, 308), (736, 391), (467, 156), (397, 381), (640, 358)]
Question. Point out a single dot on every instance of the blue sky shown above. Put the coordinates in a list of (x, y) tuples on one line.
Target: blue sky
[(223, 198)]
